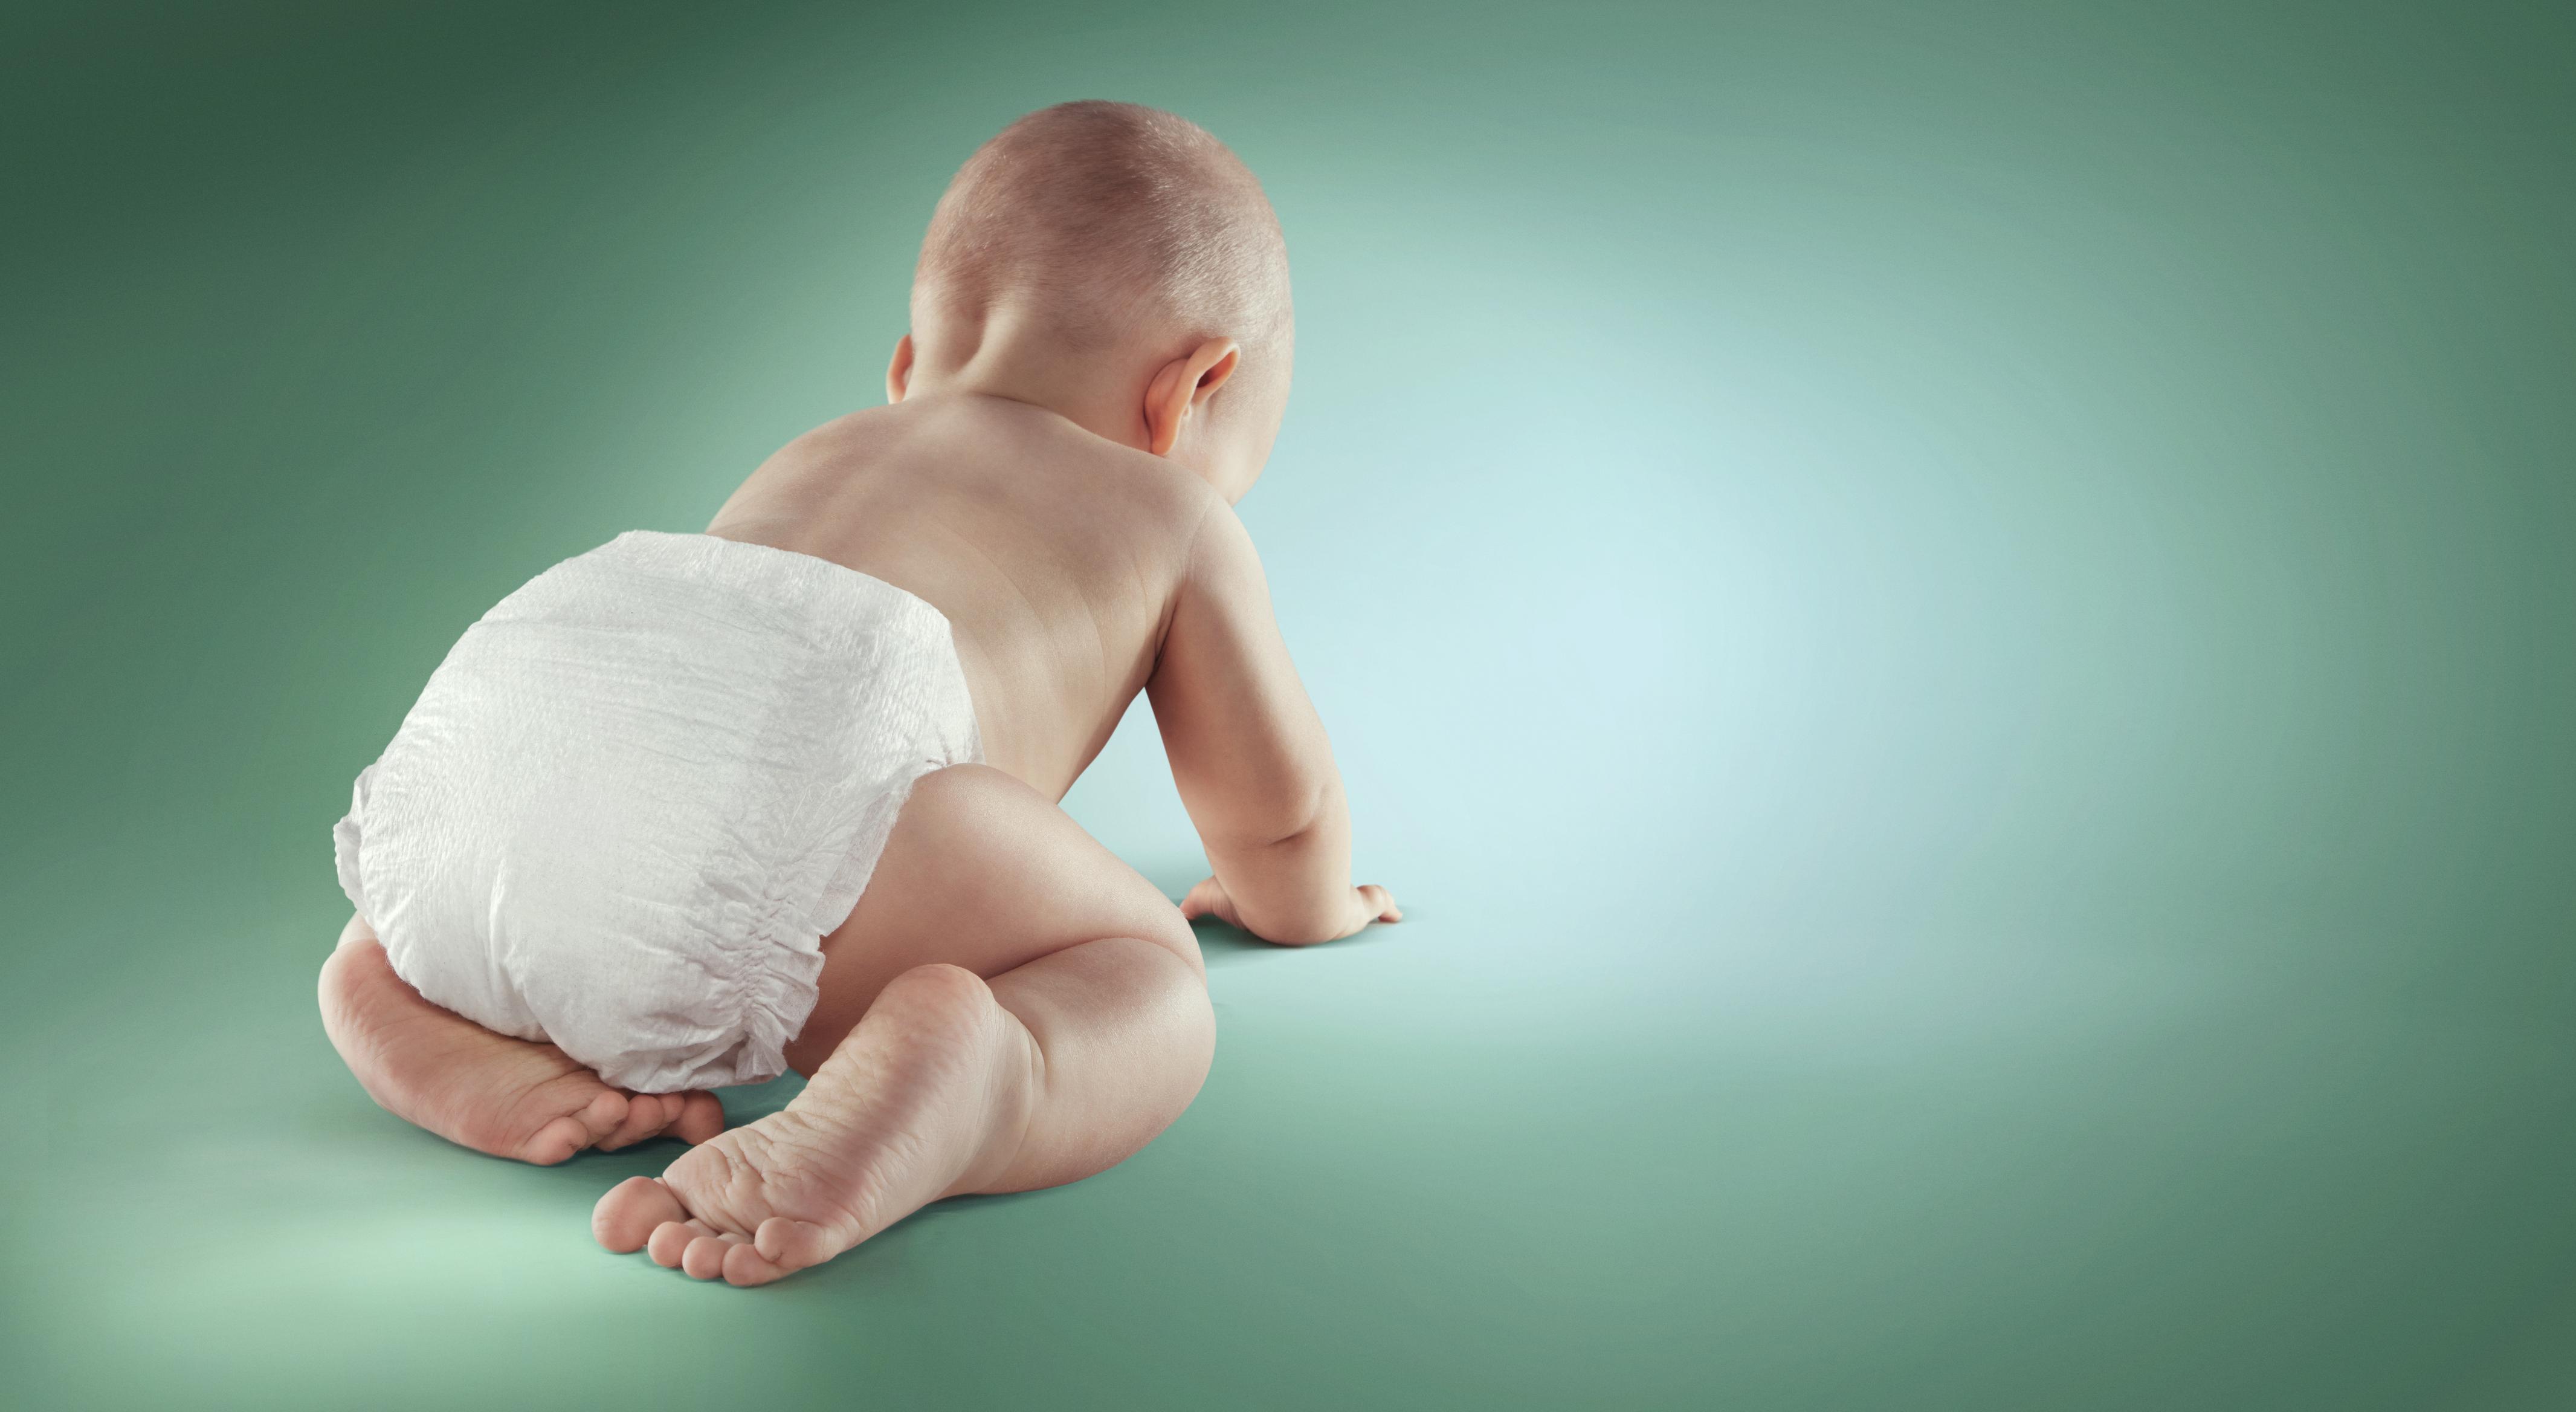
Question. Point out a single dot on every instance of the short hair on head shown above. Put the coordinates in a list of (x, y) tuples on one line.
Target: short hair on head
[(1108, 217)]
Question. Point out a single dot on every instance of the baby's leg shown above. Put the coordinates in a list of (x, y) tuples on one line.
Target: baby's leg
[(485, 1091), (1028, 1012)]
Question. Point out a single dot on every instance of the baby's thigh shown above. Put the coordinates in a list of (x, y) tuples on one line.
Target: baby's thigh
[(983, 872)]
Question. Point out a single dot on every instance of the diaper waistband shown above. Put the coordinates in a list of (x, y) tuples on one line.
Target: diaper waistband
[(817, 593)]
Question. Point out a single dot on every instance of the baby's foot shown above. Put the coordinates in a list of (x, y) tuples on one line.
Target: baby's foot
[(928, 1097), (486, 1091)]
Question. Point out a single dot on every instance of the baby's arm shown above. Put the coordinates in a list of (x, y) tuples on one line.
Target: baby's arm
[(1250, 757)]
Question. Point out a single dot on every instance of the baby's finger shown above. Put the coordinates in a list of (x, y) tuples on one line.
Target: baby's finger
[(1203, 899)]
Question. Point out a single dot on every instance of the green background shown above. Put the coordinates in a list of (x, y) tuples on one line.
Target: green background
[(1956, 623)]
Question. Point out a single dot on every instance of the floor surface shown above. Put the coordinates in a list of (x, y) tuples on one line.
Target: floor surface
[(1954, 623)]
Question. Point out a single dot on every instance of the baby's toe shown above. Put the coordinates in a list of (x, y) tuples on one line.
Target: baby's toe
[(603, 1113), (705, 1257), (671, 1240), (791, 1245), (632, 1210), (744, 1265), (645, 1116), (559, 1139), (701, 1118)]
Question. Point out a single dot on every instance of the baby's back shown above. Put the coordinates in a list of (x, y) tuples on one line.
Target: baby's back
[(1054, 554)]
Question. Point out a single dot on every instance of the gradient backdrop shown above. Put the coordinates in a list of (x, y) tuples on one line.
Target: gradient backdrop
[(1956, 623)]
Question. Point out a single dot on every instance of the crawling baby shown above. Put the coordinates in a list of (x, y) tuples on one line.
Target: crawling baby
[(692, 810)]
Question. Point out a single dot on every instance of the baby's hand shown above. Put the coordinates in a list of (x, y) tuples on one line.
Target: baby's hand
[(1368, 903)]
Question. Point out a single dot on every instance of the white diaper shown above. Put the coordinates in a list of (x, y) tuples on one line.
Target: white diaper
[(638, 793)]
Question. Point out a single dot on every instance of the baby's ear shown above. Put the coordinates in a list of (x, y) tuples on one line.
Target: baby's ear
[(1183, 385), (1214, 375), (899, 372)]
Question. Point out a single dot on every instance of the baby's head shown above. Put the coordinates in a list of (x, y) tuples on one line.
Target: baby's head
[(1117, 264)]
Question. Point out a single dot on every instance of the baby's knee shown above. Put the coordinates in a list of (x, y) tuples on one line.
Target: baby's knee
[(941, 984), (1161, 923)]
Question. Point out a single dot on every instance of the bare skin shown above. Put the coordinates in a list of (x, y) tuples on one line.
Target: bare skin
[(1009, 1006), (1034, 1012), (1075, 571), (482, 1090)]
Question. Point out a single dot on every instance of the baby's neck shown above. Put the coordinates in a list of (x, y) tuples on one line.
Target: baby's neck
[(1004, 358)]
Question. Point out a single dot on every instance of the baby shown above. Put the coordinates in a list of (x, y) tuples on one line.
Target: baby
[(692, 810)]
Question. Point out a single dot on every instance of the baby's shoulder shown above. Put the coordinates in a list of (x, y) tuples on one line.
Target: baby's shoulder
[(1129, 493)]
